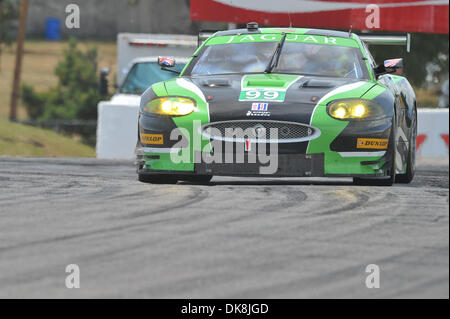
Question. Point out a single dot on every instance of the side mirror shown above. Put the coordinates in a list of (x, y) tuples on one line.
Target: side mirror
[(389, 66), (103, 88), (166, 62)]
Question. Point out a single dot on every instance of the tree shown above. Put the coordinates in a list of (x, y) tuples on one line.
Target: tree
[(425, 48), (9, 12), (76, 95)]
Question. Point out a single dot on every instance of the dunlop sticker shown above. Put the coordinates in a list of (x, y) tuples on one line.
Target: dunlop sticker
[(372, 143), (152, 139)]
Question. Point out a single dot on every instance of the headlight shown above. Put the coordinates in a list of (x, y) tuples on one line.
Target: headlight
[(175, 106), (354, 109)]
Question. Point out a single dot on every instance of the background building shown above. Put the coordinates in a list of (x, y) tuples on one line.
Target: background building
[(103, 19)]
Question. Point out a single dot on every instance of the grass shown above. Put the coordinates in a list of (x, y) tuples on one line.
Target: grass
[(427, 98), (27, 141)]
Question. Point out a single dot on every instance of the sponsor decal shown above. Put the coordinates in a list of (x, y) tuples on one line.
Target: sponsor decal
[(372, 143), (259, 109), (157, 139), (260, 106), (291, 37), (248, 145)]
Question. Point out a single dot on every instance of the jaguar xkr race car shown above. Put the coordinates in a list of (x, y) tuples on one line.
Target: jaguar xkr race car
[(284, 102)]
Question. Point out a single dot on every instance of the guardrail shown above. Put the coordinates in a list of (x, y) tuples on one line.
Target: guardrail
[(59, 125)]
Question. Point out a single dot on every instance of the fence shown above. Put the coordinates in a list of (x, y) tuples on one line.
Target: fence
[(84, 128)]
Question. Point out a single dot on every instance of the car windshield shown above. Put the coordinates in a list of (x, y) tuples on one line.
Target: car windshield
[(297, 58), (143, 75)]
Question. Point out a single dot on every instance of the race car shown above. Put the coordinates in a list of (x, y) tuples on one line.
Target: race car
[(280, 102)]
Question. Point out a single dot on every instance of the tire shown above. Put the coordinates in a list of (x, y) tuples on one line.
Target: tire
[(157, 179), (392, 170), (196, 179), (411, 164)]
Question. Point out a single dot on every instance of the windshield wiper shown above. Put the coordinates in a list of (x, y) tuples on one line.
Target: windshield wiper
[(276, 55)]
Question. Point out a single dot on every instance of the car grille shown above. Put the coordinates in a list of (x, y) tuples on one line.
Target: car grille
[(259, 131)]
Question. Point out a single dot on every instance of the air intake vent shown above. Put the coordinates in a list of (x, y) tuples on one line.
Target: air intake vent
[(260, 131)]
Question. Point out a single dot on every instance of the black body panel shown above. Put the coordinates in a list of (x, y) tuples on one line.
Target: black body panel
[(222, 92), (301, 98), (293, 165), (347, 140)]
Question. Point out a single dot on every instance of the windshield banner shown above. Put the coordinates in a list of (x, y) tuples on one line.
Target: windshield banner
[(430, 16)]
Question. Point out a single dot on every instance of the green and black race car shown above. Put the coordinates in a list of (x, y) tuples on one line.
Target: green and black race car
[(285, 102)]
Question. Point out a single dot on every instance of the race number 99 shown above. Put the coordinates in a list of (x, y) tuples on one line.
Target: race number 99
[(261, 95), (269, 95)]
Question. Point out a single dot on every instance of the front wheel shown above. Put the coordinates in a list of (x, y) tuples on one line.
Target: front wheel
[(411, 164)]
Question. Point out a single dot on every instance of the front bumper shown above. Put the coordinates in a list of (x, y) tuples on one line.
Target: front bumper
[(287, 165), (333, 154)]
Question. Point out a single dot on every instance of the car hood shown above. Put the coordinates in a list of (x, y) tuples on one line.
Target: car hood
[(297, 96)]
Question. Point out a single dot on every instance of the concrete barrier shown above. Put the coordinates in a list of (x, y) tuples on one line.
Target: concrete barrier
[(432, 132), (117, 131)]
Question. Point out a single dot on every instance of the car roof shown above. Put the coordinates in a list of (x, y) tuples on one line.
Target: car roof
[(306, 31)]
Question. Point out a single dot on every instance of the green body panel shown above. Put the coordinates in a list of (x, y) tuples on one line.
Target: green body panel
[(374, 91), (331, 128), (165, 163), (184, 123), (275, 81), (159, 89)]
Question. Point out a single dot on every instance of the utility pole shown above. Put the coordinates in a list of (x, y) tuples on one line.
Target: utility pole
[(19, 55), (1, 44)]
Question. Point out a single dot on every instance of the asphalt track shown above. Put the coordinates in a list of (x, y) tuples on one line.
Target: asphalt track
[(235, 238)]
